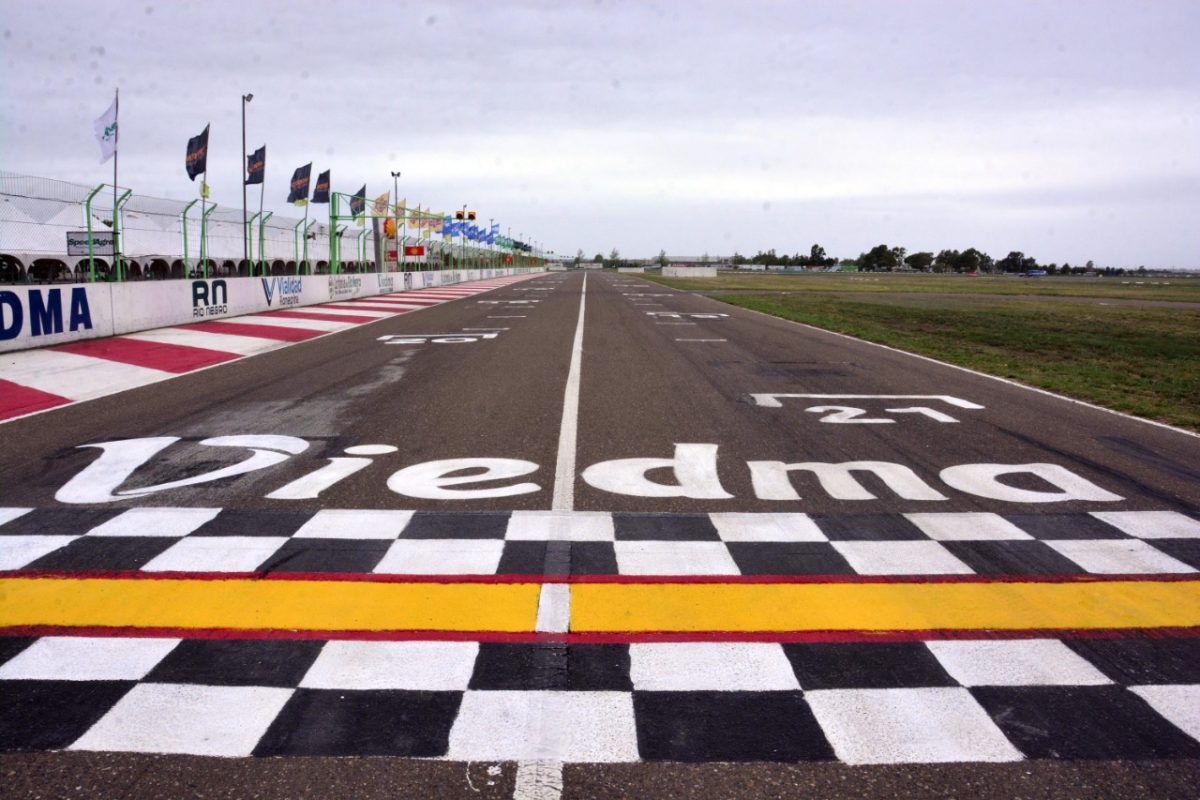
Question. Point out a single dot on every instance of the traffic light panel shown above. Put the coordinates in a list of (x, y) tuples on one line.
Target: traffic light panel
[(458, 214), (471, 216)]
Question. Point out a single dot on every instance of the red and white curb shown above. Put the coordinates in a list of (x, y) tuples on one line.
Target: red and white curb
[(32, 381)]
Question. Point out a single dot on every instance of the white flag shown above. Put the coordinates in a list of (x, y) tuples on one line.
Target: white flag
[(106, 132)]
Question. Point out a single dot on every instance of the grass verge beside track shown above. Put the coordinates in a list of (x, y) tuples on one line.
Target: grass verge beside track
[(1140, 360), (1128, 287)]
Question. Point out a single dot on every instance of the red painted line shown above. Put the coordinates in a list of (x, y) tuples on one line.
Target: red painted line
[(16, 400), (371, 577), (344, 306), (774, 637), (385, 305), (322, 317), (1081, 577), (176, 358), (355, 577), (413, 301), (257, 331)]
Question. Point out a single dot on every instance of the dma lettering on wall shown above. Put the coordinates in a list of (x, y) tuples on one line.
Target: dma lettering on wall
[(44, 312)]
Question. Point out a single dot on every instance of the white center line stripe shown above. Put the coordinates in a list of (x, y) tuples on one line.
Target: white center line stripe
[(702, 340), (554, 608), (564, 472)]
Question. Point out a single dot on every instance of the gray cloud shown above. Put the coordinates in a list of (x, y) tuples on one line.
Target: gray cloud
[(1067, 130)]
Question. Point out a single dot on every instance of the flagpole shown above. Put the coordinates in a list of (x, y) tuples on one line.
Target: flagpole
[(262, 190), (116, 151), (203, 219)]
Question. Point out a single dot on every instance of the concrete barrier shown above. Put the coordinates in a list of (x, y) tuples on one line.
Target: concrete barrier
[(689, 272), (37, 316), (631, 269)]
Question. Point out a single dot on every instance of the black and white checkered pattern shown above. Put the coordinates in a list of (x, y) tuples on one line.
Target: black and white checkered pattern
[(406, 542), (879, 702)]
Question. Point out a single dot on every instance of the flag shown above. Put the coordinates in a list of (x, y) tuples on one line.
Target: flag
[(321, 190), (358, 201), (495, 228), (106, 132), (380, 207), (299, 191), (256, 165), (197, 155)]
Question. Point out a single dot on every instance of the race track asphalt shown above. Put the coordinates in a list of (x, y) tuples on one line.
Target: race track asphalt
[(693, 427)]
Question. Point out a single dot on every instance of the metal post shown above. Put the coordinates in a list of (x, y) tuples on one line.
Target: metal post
[(308, 226), (396, 216), (262, 190), (119, 264), (463, 240), (249, 233), (246, 98), (304, 263), (262, 245), (183, 223), (87, 218), (296, 243), (334, 245), (116, 158), (204, 236)]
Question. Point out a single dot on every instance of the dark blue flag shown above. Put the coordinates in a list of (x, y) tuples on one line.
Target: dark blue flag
[(256, 165), (321, 190), (358, 202), (197, 155), (299, 190)]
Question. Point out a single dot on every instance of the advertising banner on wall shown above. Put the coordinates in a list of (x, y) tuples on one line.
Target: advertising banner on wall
[(77, 243), (43, 315)]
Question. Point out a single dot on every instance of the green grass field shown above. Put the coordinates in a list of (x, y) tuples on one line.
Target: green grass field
[(1164, 289), (1140, 359)]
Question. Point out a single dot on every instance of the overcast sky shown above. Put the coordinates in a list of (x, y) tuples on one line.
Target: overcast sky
[(1069, 131)]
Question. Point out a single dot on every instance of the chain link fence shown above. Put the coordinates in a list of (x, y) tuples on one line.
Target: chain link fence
[(159, 238)]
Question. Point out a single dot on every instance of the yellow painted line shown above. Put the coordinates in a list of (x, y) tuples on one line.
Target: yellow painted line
[(246, 604), (613, 607), (340, 605)]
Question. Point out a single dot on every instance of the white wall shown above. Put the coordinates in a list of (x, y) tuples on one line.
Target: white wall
[(36, 316), (689, 272)]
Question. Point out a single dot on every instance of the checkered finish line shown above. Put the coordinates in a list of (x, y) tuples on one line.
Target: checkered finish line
[(861, 703), (212, 540)]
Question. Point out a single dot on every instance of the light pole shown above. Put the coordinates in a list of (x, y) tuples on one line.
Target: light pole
[(462, 252), (396, 217), (246, 98)]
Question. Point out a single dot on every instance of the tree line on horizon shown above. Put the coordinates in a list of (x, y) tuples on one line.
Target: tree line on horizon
[(885, 258)]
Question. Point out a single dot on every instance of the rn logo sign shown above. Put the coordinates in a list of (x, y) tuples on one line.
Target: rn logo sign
[(45, 313), (209, 299)]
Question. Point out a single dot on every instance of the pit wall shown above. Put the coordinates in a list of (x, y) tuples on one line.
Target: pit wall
[(36, 316), (631, 269)]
